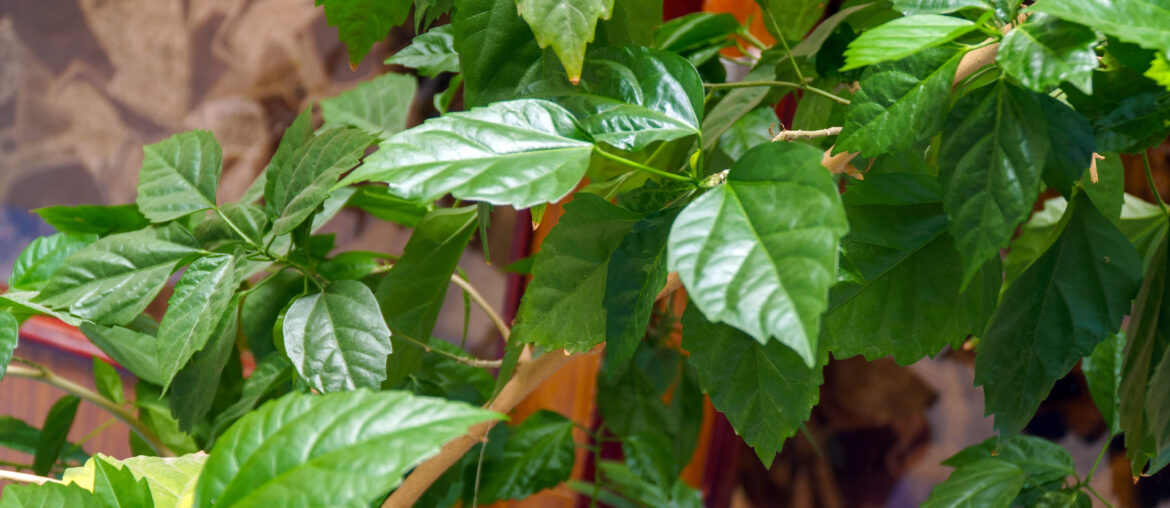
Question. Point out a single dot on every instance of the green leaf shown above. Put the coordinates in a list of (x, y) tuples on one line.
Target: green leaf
[(993, 150), (748, 132), (565, 25), (1046, 323), (441, 375), (765, 390), (630, 96), (1142, 22), (376, 200), (249, 219), (1158, 411), (903, 37), (136, 351), (272, 374), (171, 479), (294, 191), (538, 455), (1129, 111), (740, 101), (337, 339), (261, 307), (117, 487), (48, 495), (179, 176), (155, 413), (37, 262), (17, 435), (987, 483), (93, 220), (1045, 51), (497, 51), (1102, 371), (378, 106), (339, 449), (631, 402), (196, 383), (899, 104), (107, 381), (432, 53), (792, 18), (635, 274), (563, 306), (910, 7), (199, 302), (412, 293), (1071, 141), (520, 153), (1148, 335), (1040, 460), (633, 22), (112, 280), (742, 267), (361, 23), (9, 336), (52, 439), (695, 31), (907, 301), (1159, 70)]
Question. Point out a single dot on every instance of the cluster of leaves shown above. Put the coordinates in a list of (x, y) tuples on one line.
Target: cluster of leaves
[(962, 111)]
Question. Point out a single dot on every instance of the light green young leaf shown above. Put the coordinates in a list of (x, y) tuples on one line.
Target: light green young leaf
[(112, 280), (563, 305), (49, 494), (1142, 22), (1102, 371), (899, 104), (431, 53), (1044, 325), (911, 7), (987, 483), (538, 455), (1045, 51), (294, 191), (520, 153), (107, 381), (378, 106), (171, 479), (630, 96), (337, 339), (497, 51), (117, 487), (9, 336), (361, 23), (338, 449), (765, 390), (1159, 70), (376, 200), (179, 176), (201, 298), (903, 37), (994, 148), (93, 220), (743, 267), (53, 433), (565, 25), (37, 262)]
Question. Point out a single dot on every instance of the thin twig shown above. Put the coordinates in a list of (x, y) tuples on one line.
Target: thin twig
[(753, 84), (1098, 495), (475, 295), (474, 362), (25, 477), (37, 372), (820, 133), (1108, 438), (643, 167)]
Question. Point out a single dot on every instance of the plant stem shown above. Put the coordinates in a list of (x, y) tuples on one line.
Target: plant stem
[(1098, 495), (474, 362), (17, 465), (475, 295), (96, 430), (808, 88), (37, 372), (597, 465), (643, 167), (309, 273), (1108, 438), (751, 39), (791, 135), (1150, 180), (25, 477)]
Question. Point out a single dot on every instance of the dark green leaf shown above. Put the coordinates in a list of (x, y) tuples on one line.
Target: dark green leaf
[(1041, 460), (361, 23), (17, 435), (111, 281), (497, 50), (993, 151), (1071, 142), (743, 267), (201, 298), (431, 53), (451, 379), (632, 22), (899, 104), (1046, 323), (538, 455), (630, 96), (350, 265), (196, 384), (412, 293), (107, 381), (337, 339), (117, 487), (903, 37), (631, 401), (339, 449), (563, 306), (649, 456), (765, 390), (1129, 111), (378, 106), (635, 274), (740, 101), (1148, 336), (695, 31), (93, 220), (271, 375), (1102, 371), (792, 18), (520, 153), (987, 483), (136, 351), (263, 305), (9, 336), (49, 495), (753, 129), (566, 26), (911, 7), (376, 200), (294, 191), (53, 433), (179, 176), (37, 262), (1142, 22), (1045, 51)]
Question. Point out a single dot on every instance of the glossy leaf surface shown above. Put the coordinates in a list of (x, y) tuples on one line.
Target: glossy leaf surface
[(378, 106), (199, 302), (361, 23), (1045, 51), (337, 339), (566, 26), (294, 191), (37, 262), (431, 53), (903, 37), (179, 176), (537, 455)]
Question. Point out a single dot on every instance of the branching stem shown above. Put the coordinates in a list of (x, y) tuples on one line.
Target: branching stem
[(474, 362), (25, 477), (643, 167), (791, 135)]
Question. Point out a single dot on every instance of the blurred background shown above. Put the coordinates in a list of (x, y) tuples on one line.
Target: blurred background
[(84, 84)]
